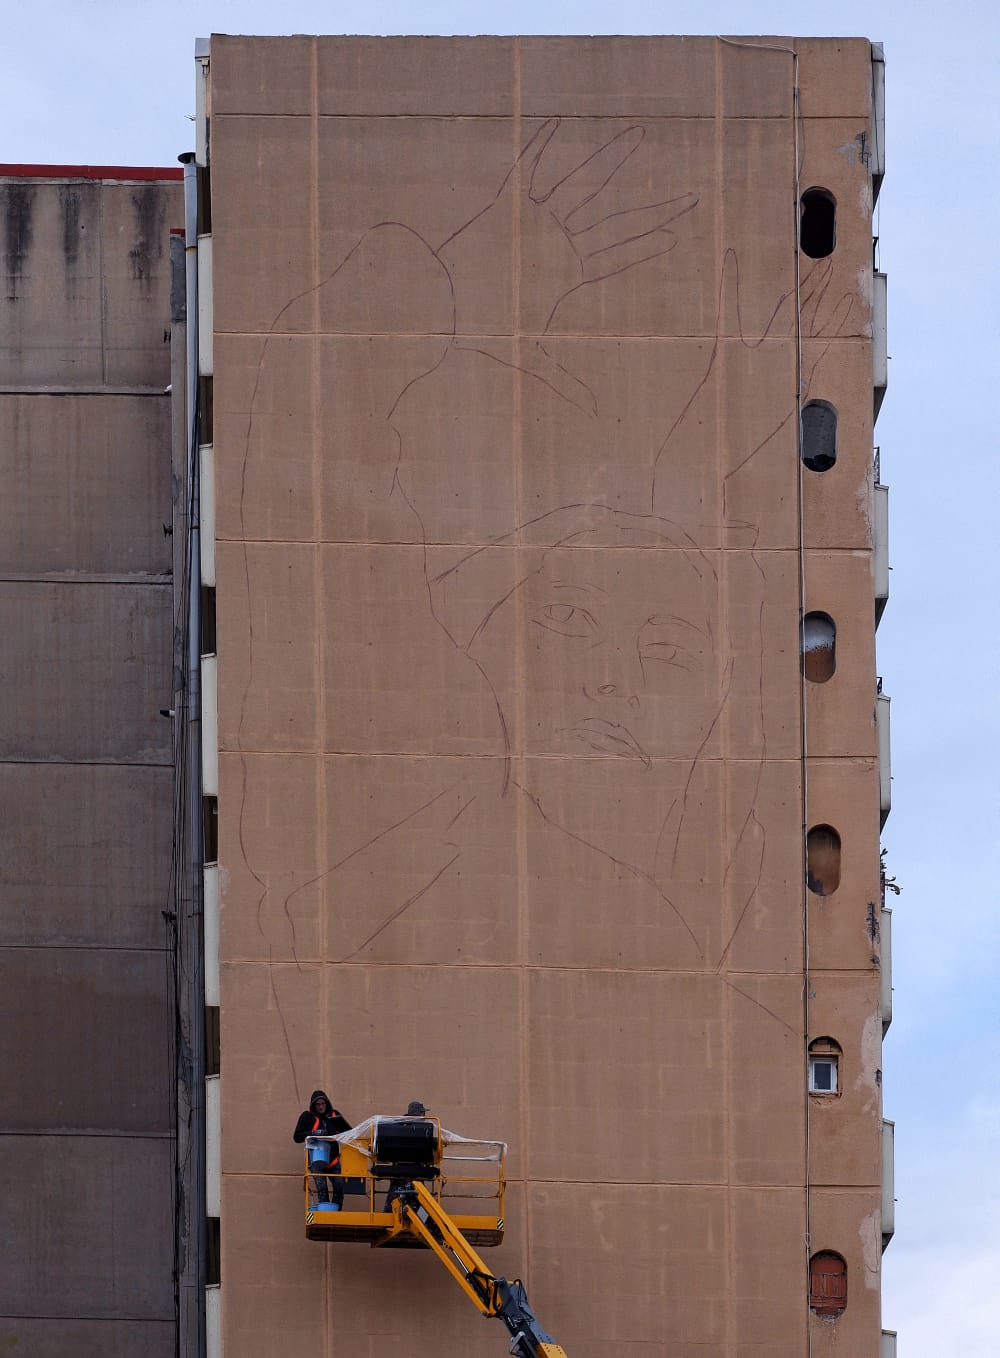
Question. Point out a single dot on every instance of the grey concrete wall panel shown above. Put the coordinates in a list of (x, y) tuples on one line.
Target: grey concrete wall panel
[(88, 279), (86, 855), (90, 1048), (85, 670), (79, 1338), (86, 777), (53, 322), (88, 484), (88, 1229), (136, 236)]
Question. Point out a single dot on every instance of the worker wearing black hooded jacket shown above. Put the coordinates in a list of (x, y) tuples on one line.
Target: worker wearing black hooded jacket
[(322, 1119)]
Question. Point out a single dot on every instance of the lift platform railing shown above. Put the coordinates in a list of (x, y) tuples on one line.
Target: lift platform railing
[(457, 1185), (353, 1199)]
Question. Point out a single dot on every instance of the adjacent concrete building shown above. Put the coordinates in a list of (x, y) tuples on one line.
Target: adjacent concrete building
[(87, 937), (540, 522)]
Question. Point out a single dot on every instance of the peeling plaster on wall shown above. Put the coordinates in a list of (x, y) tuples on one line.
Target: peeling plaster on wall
[(870, 1235), (865, 204), (866, 286), (854, 151), (871, 1056), (866, 509)]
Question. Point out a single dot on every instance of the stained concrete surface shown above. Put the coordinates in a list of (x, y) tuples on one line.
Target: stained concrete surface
[(86, 778)]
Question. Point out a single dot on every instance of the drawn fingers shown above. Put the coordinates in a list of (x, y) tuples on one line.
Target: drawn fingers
[(617, 259), (534, 150), (730, 320), (587, 179), (625, 227), (812, 290), (835, 322)]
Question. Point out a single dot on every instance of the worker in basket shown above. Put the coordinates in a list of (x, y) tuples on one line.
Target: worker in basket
[(398, 1187), (322, 1119)]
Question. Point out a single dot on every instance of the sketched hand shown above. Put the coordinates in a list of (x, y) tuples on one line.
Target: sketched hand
[(570, 234)]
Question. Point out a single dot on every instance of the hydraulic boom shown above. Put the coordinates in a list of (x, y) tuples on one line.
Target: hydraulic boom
[(417, 1212)]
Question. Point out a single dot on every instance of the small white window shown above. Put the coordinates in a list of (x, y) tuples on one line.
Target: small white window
[(823, 1075), (824, 1066)]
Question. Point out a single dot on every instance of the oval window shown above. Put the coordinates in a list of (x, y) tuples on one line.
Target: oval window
[(828, 1283), (823, 860), (817, 223), (819, 647), (819, 436)]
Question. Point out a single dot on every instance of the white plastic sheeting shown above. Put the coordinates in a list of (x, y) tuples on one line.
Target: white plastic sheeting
[(455, 1147)]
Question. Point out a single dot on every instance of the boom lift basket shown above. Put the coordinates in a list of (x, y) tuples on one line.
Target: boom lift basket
[(383, 1154)]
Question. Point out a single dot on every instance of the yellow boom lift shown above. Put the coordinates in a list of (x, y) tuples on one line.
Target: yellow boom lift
[(419, 1167)]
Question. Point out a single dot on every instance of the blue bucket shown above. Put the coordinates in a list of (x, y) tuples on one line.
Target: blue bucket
[(320, 1155), (327, 1207)]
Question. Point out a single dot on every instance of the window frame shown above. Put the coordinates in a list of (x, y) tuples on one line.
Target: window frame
[(825, 1059), (825, 1051)]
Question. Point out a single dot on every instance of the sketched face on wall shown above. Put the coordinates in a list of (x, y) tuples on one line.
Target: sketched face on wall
[(605, 648), (633, 675)]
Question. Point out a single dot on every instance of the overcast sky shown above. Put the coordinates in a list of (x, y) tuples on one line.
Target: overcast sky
[(85, 81)]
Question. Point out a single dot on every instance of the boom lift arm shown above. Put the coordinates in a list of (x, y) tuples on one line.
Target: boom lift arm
[(417, 1212)]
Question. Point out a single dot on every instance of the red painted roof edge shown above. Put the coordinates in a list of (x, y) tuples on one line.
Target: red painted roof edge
[(90, 172)]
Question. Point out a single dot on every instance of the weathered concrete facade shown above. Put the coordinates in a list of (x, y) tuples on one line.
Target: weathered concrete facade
[(86, 776), (517, 757)]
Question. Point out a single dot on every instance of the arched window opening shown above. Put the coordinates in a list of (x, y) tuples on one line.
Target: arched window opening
[(828, 1283), (823, 860), (819, 436), (819, 647), (824, 1066), (817, 223)]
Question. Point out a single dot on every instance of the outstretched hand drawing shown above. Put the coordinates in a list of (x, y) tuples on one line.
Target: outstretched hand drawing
[(569, 234)]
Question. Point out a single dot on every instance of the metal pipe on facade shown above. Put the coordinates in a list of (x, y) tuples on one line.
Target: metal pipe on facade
[(194, 810)]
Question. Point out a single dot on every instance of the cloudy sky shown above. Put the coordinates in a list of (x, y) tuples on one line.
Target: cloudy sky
[(84, 81)]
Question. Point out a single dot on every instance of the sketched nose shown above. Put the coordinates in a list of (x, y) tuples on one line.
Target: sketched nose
[(606, 690)]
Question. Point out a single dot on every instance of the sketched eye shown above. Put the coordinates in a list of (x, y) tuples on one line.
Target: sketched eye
[(662, 650), (566, 620), (669, 652), (672, 640)]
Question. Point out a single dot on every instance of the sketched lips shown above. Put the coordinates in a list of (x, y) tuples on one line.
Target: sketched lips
[(608, 737)]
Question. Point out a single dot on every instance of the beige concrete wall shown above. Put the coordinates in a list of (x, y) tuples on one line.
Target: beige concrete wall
[(509, 340)]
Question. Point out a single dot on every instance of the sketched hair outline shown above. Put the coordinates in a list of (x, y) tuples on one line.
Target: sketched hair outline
[(462, 621)]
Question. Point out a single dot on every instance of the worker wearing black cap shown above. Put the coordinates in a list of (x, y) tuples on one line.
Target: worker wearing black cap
[(414, 1109)]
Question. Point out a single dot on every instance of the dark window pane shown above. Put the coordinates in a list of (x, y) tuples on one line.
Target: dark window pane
[(822, 1076), (818, 223), (819, 647), (823, 860), (819, 436)]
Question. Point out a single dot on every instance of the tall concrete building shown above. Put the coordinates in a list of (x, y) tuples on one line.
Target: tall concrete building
[(542, 536), (530, 530), (87, 927)]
